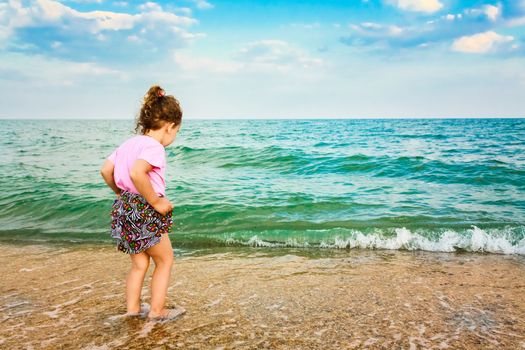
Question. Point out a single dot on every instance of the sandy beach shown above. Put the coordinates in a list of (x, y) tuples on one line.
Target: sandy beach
[(56, 297)]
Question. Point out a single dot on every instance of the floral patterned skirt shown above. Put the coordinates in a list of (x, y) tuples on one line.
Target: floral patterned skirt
[(135, 225)]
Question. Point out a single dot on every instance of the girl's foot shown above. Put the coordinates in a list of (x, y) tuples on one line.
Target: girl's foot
[(144, 309), (167, 314)]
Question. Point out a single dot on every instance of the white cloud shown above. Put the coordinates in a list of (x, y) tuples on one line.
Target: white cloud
[(450, 17), (492, 12), (150, 6), (87, 34), (437, 32), (49, 12), (261, 56), (276, 53), (203, 4), (481, 42), (377, 30), (371, 25), (184, 34), (427, 6), (516, 22)]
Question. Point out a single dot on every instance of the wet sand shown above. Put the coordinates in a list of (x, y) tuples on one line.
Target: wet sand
[(252, 298)]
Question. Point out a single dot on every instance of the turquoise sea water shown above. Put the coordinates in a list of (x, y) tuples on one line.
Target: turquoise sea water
[(431, 184)]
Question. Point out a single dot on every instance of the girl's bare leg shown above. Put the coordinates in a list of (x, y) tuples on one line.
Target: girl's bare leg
[(162, 254), (135, 279)]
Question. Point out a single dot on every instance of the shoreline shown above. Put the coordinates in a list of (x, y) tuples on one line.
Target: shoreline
[(404, 241), (71, 297)]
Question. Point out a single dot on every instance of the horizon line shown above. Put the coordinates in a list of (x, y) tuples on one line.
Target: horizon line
[(274, 118)]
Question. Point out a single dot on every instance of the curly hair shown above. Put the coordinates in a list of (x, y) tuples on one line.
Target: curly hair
[(158, 108)]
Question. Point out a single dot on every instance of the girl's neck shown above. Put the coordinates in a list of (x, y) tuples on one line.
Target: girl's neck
[(156, 134)]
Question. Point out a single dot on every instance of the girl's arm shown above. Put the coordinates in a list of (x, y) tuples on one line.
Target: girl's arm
[(107, 174), (139, 176)]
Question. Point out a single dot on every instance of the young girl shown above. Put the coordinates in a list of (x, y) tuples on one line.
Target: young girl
[(141, 214)]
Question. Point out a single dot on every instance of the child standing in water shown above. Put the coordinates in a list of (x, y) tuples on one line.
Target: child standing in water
[(141, 213)]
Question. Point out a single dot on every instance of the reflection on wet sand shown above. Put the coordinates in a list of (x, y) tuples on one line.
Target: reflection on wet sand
[(252, 298)]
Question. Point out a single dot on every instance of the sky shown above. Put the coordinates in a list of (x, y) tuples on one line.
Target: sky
[(264, 59)]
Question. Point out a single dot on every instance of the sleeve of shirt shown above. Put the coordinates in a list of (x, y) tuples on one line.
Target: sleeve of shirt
[(153, 154), (112, 156)]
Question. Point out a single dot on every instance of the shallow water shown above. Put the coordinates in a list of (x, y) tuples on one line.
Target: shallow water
[(253, 298)]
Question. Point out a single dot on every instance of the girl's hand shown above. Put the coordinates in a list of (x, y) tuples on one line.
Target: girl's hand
[(163, 206)]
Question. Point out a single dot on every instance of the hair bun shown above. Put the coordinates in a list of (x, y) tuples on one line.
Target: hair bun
[(158, 108), (153, 93)]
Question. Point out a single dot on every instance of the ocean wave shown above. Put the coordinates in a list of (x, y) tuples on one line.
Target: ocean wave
[(298, 161), (508, 240), (472, 240)]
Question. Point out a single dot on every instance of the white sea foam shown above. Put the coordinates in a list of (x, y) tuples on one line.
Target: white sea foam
[(255, 241), (473, 240)]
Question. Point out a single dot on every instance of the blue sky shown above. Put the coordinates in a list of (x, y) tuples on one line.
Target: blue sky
[(264, 59)]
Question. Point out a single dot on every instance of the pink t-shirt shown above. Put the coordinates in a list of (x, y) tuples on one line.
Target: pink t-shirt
[(139, 147)]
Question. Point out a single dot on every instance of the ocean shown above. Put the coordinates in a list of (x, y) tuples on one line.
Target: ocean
[(438, 185)]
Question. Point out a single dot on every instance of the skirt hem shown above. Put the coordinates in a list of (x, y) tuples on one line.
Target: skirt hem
[(136, 225)]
